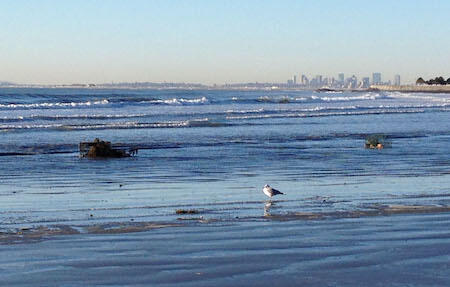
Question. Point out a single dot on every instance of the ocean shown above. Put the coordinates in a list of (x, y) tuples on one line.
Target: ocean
[(349, 216), (213, 151)]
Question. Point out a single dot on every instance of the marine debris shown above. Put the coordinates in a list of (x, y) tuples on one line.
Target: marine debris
[(376, 141), (186, 211), (103, 149)]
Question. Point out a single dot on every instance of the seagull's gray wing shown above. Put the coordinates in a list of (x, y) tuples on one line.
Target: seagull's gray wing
[(276, 191)]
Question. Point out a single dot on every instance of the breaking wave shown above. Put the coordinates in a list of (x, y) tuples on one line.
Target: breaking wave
[(180, 101), (314, 98), (367, 96), (70, 117), (323, 114), (121, 125), (206, 122), (59, 105), (49, 105), (444, 98), (18, 121)]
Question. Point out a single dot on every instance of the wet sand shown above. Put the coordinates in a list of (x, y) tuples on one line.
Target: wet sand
[(383, 246)]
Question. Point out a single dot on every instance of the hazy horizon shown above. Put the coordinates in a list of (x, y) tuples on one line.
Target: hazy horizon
[(217, 42)]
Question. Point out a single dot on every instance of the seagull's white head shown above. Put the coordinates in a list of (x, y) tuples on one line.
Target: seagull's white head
[(266, 186)]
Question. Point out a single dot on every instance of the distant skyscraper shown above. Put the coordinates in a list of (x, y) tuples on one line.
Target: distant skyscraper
[(341, 78), (376, 78), (397, 80), (295, 80), (319, 80), (354, 82), (365, 82), (305, 80)]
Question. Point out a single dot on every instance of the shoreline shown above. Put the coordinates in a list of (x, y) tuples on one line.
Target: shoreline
[(412, 89), (373, 88), (38, 233), (404, 249)]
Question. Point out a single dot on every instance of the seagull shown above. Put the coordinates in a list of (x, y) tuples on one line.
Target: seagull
[(269, 191)]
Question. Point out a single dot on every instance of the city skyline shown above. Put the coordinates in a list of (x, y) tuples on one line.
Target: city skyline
[(217, 42), (341, 81), (296, 79)]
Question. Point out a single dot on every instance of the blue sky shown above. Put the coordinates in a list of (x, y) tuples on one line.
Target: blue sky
[(220, 41)]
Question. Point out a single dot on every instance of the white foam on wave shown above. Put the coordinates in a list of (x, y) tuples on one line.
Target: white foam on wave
[(272, 111), (94, 126), (34, 126), (202, 122), (69, 117), (18, 118), (367, 96), (180, 101), (428, 97), (244, 111), (86, 116), (323, 114), (281, 100), (411, 106), (315, 98), (51, 105)]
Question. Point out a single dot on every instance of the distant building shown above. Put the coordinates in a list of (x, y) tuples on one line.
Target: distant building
[(376, 78), (351, 83), (295, 80), (365, 82), (397, 80), (290, 82), (354, 81), (304, 81), (332, 82), (319, 80), (341, 78)]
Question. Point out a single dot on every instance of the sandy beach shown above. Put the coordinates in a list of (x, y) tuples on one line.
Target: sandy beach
[(405, 248)]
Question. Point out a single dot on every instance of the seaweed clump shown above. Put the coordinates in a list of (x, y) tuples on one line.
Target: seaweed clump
[(103, 149), (376, 141)]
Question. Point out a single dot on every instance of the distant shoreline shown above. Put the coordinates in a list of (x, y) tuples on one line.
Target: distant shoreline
[(412, 88), (373, 88)]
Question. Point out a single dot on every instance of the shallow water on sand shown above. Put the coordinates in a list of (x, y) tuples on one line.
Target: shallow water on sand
[(401, 250)]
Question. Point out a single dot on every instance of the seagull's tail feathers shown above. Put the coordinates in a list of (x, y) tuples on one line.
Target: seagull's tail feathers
[(276, 192)]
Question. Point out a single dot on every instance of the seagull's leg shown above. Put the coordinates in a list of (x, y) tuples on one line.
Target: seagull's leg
[(267, 209)]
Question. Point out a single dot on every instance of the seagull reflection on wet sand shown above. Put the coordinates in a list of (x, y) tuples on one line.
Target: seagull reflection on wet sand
[(270, 205)]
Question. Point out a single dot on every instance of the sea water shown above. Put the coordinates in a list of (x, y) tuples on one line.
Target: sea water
[(213, 151)]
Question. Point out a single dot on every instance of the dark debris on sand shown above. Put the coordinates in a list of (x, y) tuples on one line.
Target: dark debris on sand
[(103, 149), (186, 211)]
